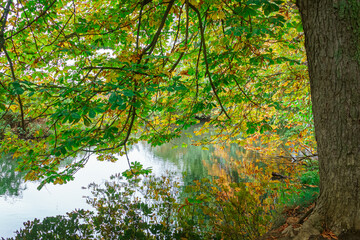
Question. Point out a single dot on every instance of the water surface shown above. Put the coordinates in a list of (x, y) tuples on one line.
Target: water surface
[(21, 201)]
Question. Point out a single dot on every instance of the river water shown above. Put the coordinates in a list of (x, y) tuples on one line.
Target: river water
[(20, 201)]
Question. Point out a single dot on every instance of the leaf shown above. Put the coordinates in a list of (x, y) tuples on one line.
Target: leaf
[(246, 11), (113, 98), (128, 93), (86, 120), (270, 8), (17, 88), (251, 128), (75, 115), (265, 127), (92, 113)]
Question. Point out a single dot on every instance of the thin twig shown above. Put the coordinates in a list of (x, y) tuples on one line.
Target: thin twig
[(128, 160)]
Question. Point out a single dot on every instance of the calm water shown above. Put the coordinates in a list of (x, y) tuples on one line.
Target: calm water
[(21, 201)]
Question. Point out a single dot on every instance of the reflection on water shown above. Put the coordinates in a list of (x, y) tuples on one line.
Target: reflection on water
[(201, 161), (21, 201), (11, 183), (53, 200)]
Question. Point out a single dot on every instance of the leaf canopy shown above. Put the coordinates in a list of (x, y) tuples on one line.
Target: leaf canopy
[(86, 77)]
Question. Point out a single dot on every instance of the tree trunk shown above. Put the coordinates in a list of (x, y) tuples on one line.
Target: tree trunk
[(332, 34)]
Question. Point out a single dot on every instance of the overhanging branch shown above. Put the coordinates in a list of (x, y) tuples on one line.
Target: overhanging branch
[(151, 46), (207, 72)]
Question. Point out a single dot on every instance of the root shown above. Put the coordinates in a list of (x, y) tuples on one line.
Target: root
[(311, 227), (301, 220)]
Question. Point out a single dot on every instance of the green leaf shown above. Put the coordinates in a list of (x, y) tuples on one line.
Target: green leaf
[(270, 8), (92, 113), (75, 115), (246, 11), (17, 88), (251, 128), (128, 93), (265, 127), (87, 121), (63, 150), (113, 98)]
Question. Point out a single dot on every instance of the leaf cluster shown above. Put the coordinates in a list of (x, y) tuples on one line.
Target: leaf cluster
[(96, 77)]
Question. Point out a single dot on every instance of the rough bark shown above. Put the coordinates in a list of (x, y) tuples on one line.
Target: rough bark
[(332, 34)]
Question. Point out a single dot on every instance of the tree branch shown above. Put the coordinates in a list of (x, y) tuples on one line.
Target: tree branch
[(157, 34), (2, 46), (186, 36), (30, 23), (207, 72), (123, 143)]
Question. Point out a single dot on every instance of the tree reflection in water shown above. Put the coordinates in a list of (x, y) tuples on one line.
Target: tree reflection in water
[(11, 181), (204, 160)]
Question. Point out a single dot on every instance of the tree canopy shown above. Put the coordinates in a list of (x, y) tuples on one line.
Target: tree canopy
[(97, 76)]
